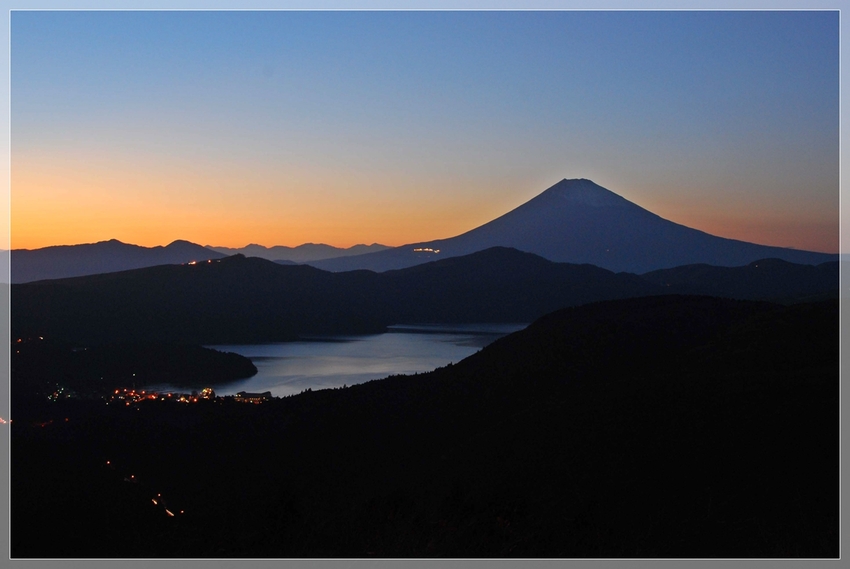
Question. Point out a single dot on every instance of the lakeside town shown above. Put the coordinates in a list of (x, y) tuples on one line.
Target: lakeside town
[(130, 396)]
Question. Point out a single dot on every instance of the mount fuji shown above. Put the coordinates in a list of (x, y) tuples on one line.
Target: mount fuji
[(578, 221)]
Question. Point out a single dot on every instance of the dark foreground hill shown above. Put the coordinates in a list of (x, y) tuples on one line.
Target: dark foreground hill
[(652, 427), (243, 300), (578, 221)]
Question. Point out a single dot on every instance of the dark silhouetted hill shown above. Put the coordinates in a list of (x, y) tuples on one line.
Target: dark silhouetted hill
[(764, 279), (675, 426), (65, 261), (500, 285), (235, 299), (578, 221), (239, 299)]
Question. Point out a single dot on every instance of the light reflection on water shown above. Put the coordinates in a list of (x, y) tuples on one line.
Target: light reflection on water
[(320, 363)]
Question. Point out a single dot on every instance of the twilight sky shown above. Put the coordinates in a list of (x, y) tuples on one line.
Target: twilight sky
[(228, 128)]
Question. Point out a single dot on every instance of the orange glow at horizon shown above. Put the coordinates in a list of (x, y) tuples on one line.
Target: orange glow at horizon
[(74, 201), (67, 204), (806, 230)]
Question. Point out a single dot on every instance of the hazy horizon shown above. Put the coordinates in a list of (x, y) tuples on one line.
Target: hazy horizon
[(272, 246), (229, 128)]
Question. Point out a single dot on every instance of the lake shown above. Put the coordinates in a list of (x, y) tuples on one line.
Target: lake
[(320, 363)]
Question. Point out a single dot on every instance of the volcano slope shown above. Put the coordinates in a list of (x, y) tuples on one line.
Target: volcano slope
[(578, 221), (674, 426)]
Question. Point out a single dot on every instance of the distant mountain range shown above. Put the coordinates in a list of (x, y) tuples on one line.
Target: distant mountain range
[(305, 253), (578, 221), (245, 300), (64, 261), (574, 221)]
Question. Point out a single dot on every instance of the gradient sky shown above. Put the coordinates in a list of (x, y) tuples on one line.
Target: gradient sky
[(279, 128)]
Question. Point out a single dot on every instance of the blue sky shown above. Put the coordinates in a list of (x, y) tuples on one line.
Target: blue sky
[(283, 127)]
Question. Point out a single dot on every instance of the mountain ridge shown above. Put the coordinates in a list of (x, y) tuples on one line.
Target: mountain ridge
[(242, 299), (574, 221), (113, 255), (301, 253), (62, 261)]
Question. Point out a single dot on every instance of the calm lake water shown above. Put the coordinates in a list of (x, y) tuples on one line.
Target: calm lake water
[(291, 367)]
